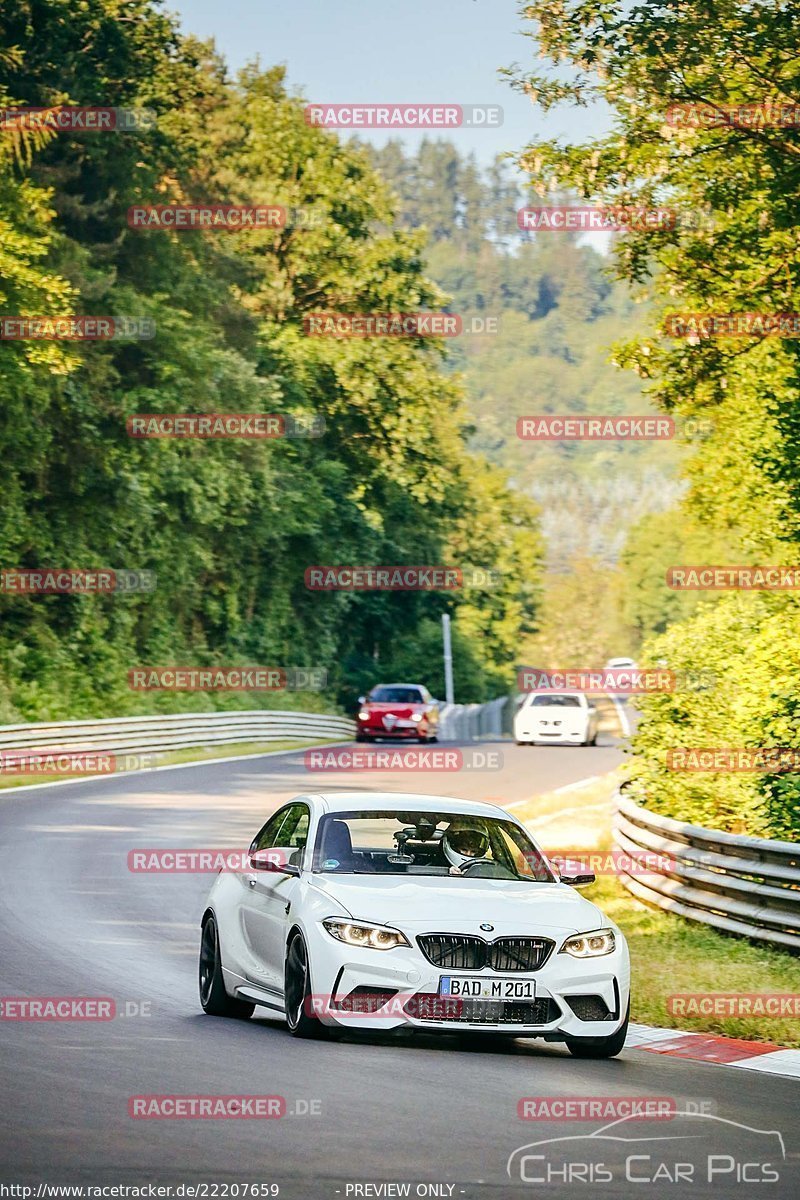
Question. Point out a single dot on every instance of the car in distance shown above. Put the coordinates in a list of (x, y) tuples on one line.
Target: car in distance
[(621, 664), (625, 665), (398, 711), (556, 717), (383, 911)]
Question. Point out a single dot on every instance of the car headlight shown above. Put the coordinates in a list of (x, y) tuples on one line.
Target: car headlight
[(417, 716), (359, 933), (363, 715), (590, 945)]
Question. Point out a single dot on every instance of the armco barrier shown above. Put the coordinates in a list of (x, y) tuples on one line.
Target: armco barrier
[(176, 731), (466, 722), (743, 885)]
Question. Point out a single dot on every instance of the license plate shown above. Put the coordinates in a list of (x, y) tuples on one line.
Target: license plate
[(484, 987)]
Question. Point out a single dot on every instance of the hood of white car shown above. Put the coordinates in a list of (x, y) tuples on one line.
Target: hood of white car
[(436, 905)]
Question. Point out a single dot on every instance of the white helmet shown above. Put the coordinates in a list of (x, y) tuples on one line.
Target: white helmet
[(464, 843)]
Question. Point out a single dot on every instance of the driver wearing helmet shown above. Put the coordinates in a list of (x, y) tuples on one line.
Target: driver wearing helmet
[(464, 843)]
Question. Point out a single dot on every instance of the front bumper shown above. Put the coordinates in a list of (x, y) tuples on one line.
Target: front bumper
[(411, 985), (556, 737), (404, 734)]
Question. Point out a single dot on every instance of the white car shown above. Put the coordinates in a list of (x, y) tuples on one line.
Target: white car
[(621, 664), (565, 717), (380, 911)]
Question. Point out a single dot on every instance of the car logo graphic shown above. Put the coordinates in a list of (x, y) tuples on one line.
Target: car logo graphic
[(615, 1132), (389, 721), (486, 926)]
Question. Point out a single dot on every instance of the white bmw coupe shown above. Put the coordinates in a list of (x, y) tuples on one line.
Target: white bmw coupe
[(377, 911)]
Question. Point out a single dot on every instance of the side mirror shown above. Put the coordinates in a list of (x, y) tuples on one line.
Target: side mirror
[(577, 880), (362, 699), (272, 860)]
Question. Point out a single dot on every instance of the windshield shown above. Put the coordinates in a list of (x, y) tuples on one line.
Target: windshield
[(411, 843), (395, 695), (556, 701)]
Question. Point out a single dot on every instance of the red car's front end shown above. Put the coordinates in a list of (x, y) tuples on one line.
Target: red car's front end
[(400, 712)]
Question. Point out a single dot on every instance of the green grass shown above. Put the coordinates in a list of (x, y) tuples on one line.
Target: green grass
[(670, 955), (187, 755)]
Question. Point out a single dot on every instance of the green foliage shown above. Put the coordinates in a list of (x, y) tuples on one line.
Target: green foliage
[(660, 541), (228, 527), (750, 645), (733, 249)]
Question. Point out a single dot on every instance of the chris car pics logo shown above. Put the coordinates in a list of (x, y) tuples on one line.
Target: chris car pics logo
[(701, 1150)]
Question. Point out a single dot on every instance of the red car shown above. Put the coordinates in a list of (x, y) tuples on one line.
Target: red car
[(402, 711)]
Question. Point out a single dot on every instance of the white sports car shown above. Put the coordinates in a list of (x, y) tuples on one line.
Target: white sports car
[(565, 717), (377, 911)]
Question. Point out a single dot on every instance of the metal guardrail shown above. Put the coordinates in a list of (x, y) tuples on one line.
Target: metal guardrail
[(175, 731), (178, 731), (466, 722), (743, 885)]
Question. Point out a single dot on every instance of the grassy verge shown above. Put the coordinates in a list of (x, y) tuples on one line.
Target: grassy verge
[(188, 755), (669, 955)]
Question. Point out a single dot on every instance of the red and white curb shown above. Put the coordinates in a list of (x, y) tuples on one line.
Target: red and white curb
[(708, 1047)]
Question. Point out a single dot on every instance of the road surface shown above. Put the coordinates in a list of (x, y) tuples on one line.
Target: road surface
[(367, 1110)]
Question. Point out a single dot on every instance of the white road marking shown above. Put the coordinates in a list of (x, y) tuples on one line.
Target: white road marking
[(625, 724), (568, 787)]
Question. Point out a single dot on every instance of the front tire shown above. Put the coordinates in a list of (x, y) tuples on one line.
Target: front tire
[(600, 1047), (297, 992), (214, 999)]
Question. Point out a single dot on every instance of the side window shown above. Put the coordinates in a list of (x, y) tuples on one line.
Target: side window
[(299, 835), (288, 829)]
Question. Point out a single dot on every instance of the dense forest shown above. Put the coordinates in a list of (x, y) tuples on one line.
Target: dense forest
[(226, 527)]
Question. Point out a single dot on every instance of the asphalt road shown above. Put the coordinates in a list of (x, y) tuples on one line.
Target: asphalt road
[(427, 1110)]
